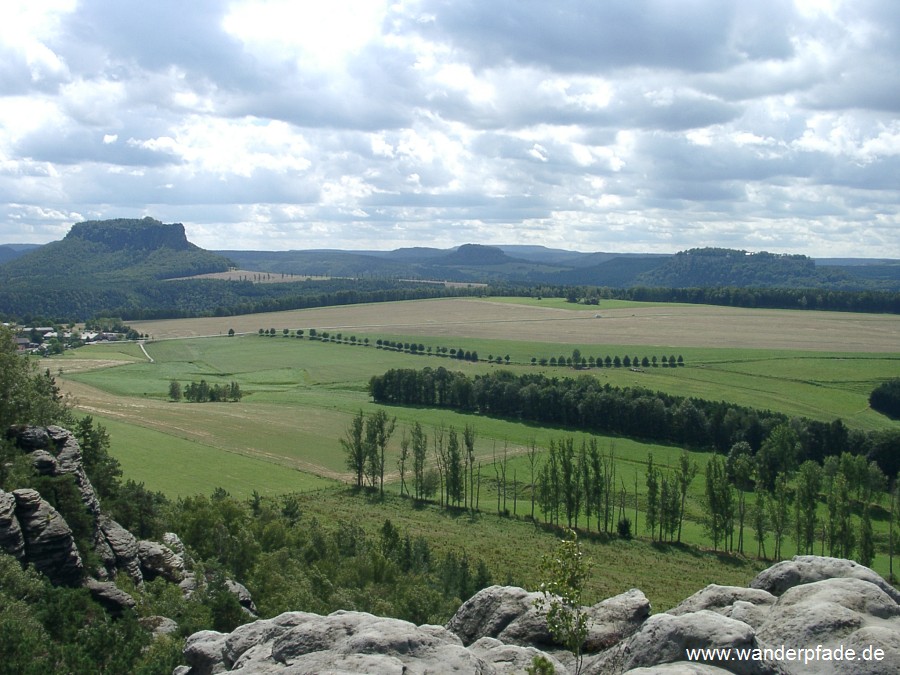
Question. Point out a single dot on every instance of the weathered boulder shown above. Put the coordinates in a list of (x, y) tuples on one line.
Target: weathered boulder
[(349, 642), (833, 613), (49, 544), (204, 653), (664, 638), (12, 540), (504, 658), (615, 619), (245, 637), (113, 599), (503, 612), (158, 560), (243, 596), (804, 569), (509, 614), (159, 625), (124, 548), (680, 668), (29, 438), (44, 463), (749, 605), (173, 541)]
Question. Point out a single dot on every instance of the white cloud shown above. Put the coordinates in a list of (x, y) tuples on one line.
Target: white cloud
[(640, 125)]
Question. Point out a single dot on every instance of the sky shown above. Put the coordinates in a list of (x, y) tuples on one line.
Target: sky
[(622, 125)]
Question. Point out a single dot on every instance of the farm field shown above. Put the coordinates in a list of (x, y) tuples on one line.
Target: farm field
[(644, 324), (300, 395)]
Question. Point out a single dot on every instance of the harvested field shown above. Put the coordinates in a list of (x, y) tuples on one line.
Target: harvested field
[(676, 326), (253, 277)]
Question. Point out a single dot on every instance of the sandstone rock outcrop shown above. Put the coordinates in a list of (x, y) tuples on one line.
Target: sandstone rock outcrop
[(158, 560), (12, 540), (48, 541), (35, 533), (115, 600), (825, 602)]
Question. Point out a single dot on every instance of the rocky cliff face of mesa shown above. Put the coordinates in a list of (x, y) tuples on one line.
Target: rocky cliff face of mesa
[(805, 603)]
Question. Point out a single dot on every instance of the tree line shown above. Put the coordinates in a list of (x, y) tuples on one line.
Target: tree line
[(875, 301), (147, 299), (203, 392), (827, 508), (585, 403)]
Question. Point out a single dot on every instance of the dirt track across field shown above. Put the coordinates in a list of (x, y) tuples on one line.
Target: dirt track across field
[(675, 325)]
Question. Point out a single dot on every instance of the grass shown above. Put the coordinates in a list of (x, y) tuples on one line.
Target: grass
[(300, 396), (512, 549), (180, 468)]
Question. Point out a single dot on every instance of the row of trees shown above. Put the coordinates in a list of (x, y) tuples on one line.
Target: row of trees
[(575, 360), (792, 505), (586, 403), (826, 506), (729, 296), (442, 466), (203, 392)]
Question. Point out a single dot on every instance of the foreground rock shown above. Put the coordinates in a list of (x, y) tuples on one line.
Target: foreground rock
[(804, 603), (508, 614), (345, 642), (804, 569)]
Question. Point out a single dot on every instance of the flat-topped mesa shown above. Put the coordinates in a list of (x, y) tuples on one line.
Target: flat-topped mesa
[(128, 233)]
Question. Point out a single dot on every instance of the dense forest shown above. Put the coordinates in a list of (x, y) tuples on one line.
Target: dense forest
[(204, 297)]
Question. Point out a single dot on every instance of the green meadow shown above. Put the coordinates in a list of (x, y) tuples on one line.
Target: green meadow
[(300, 395)]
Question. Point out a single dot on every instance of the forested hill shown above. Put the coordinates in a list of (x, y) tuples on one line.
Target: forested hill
[(113, 251), (712, 267), (133, 269)]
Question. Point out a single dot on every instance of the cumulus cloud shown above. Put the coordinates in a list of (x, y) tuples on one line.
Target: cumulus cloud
[(643, 125)]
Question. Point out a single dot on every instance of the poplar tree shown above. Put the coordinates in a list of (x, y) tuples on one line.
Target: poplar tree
[(403, 460), (354, 446), (469, 441), (652, 516), (455, 474), (715, 500), (684, 474), (532, 464), (866, 540), (809, 483), (760, 520), (419, 442), (779, 511)]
